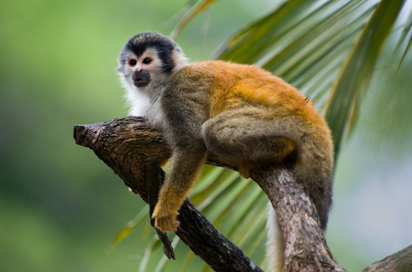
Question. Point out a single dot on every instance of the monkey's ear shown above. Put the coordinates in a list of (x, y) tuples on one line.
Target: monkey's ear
[(178, 49)]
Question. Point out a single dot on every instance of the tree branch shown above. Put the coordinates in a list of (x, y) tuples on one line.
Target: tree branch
[(401, 261), (306, 248), (132, 148)]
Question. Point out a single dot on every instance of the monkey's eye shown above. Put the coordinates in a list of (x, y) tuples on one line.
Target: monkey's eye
[(132, 62), (147, 61)]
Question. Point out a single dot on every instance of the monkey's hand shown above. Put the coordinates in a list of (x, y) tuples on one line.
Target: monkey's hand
[(185, 166), (165, 217)]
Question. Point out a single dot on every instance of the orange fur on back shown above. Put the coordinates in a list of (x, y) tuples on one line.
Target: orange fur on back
[(235, 84)]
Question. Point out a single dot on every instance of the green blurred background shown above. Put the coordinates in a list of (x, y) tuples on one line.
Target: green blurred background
[(61, 207)]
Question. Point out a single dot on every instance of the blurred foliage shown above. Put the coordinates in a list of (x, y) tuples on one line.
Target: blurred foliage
[(60, 206)]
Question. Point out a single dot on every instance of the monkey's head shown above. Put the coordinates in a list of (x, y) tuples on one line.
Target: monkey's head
[(148, 59)]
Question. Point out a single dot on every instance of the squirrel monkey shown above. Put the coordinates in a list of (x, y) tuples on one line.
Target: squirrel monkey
[(241, 113)]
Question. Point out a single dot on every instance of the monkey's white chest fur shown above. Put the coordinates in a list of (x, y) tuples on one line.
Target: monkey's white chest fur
[(139, 103), (155, 113), (147, 106)]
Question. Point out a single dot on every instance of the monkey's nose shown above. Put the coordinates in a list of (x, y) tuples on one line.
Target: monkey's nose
[(141, 78)]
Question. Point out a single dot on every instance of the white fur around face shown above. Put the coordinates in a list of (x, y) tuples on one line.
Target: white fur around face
[(146, 101)]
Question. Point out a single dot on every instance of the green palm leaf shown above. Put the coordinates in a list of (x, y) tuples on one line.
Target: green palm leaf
[(407, 31), (358, 69), (130, 226), (195, 10), (253, 39)]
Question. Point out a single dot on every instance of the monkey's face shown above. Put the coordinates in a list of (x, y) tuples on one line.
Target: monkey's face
[(147, 61), (140, 69)]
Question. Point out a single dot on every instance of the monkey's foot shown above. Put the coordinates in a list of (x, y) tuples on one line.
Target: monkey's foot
[(165, 220)]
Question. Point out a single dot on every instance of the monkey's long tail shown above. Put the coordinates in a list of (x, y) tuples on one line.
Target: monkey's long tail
[(275, 244)]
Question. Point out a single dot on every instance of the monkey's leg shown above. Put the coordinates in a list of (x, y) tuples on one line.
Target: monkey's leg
[(247, 136), (185, 167)]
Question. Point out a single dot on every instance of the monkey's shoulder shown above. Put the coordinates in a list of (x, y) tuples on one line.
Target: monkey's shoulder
[(187, 78), (195, 72)]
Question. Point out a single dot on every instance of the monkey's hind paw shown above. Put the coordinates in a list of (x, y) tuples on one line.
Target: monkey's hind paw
[(167, 224)]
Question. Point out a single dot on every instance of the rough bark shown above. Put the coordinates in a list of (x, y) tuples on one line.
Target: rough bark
[(401, 261), (131, 148), (306, 248)]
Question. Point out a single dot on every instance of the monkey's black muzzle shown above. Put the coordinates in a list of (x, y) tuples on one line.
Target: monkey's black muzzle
[(141, 78)]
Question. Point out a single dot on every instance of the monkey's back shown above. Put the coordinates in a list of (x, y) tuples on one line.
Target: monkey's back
[(231, 85), (228, 85)]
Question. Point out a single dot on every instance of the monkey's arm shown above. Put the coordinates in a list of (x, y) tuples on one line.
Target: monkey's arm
[(185, 167), (184, 112)]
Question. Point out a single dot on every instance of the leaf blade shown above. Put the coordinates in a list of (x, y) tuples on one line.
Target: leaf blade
[(130, 226), (202, 5), (357, 72)]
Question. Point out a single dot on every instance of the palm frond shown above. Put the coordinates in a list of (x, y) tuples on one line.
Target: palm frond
[(129, 227), (163, 261), (356, 73), (195, 10), (407, 32), (253, 39)]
